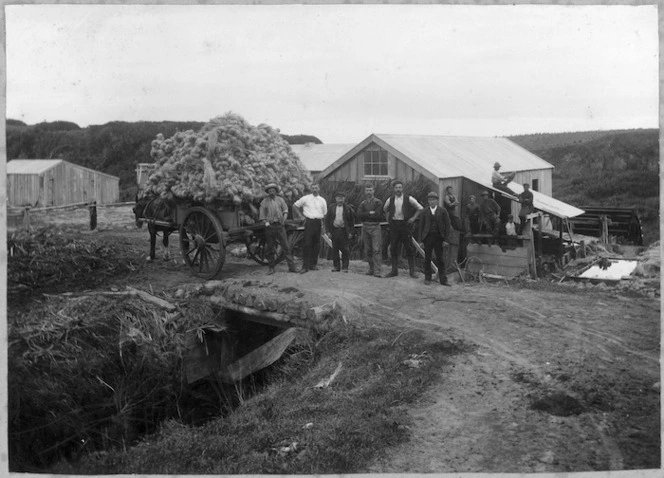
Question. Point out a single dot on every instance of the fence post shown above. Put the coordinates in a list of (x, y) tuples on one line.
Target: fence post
[(93, 215)]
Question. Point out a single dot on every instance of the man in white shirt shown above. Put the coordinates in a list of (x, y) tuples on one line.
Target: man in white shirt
[(313, 207), (501, 180), (402, 211)]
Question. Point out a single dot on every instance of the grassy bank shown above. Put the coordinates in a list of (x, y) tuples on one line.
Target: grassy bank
[(296, 427)]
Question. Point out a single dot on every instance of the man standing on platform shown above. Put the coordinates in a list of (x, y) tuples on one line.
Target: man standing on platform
[(490, 214), (434, 228), (526, 200), (340, 223), (273, 212), (313, 207), (402, 211), (370, 214)]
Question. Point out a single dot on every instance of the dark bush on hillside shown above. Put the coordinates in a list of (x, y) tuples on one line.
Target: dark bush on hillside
[(56, 126), (13, 122)]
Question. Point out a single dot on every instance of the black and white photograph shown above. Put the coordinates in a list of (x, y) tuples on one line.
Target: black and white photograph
[(331, 238)]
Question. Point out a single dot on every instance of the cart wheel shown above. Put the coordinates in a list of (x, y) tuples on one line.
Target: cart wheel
[(202, 243), (256, 248)]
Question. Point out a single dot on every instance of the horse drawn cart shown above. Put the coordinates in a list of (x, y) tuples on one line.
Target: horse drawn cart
[(206, 230)]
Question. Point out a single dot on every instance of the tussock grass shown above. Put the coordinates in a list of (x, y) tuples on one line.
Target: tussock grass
[(48, 259), (94, 373), (292, 427)]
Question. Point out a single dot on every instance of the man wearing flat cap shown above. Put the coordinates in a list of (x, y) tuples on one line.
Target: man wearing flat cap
[(273, 212), (340, 222), (434, 228)]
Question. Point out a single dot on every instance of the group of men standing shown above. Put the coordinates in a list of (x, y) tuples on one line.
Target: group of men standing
[(400, 210)]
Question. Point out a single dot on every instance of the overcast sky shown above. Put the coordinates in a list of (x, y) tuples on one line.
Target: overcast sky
[(339, 72)]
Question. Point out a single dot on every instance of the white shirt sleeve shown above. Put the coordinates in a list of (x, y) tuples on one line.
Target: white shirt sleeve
[(415, 204)]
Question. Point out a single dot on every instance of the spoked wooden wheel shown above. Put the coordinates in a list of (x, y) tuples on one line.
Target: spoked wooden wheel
[(202, 243), (257, 246)]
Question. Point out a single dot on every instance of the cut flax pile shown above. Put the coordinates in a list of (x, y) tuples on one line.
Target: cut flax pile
[(228, 159), (93, 373), (47, 260)]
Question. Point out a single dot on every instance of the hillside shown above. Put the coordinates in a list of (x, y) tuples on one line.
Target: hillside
[(604, 168)]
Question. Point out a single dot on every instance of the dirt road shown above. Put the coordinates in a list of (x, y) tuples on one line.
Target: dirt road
[(558, 380)]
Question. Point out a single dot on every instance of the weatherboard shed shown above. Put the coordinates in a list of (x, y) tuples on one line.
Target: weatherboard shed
[(55, 182), (463, 162)]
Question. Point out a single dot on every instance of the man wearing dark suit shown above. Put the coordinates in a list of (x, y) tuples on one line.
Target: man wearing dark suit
[(434, 228), (340, 222)]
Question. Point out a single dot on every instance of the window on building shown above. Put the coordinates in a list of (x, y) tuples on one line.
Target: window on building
[(375, 163), (535, 185)]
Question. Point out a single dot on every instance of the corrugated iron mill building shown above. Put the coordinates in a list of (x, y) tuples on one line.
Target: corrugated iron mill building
[(55, 182)]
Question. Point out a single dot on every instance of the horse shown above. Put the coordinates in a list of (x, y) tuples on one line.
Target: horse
[(150, 209)]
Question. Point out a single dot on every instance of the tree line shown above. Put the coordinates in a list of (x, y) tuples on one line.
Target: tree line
[(114, 148)]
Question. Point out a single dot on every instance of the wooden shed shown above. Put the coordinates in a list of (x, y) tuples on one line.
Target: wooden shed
[(445, 160), (55, 182), (463, 162)]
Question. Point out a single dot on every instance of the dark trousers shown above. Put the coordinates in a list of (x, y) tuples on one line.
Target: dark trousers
[(340, 244), (311, 247), (276, 233), (400, 234), (434, 243), (474, 224)]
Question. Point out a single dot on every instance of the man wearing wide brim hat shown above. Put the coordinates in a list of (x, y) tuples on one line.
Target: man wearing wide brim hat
[(273, 213), (434, 229), (500, 180), (340, 223)]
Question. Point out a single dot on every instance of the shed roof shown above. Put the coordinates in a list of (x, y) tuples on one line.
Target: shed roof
[(39, 166), (546, 203), (471, 157), (467, 156), (317, 157), (31, 166)]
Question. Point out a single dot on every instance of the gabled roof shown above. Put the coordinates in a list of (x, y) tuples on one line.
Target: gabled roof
[(451, 156), (39, 166), (317, 157), (470, 157), (31, 166)]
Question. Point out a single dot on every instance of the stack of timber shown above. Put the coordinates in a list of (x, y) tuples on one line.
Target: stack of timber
[(609, 221)]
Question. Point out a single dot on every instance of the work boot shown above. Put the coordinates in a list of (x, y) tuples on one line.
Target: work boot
[(427, 280), (411, 267), (270, 271), (395, 264)]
